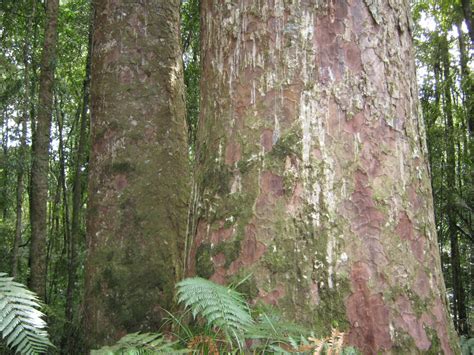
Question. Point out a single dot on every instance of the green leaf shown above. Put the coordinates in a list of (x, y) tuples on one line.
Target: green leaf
[(220, 306), (21, 323), (141, 343)]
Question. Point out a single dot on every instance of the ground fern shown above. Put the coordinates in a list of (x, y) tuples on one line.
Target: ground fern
[(21, 323), (220, 306), (140, 344)]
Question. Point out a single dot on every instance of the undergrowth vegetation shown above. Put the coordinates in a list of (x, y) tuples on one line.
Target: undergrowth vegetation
[(217, 319), (214, 319), (21, 323)]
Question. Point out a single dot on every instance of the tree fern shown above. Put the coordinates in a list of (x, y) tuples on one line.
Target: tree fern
[(21, 323), (220, 306), (140, 344)]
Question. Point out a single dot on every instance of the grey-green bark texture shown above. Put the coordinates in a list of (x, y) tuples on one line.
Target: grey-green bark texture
[(311, 171), (40, 154), (138, 182)]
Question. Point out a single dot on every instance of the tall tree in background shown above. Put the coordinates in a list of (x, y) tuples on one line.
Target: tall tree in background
[(70, 337), (40, 155), (22, 168), (190, 34), (139, 174), (446, 93), (312, 172), (459, 305)]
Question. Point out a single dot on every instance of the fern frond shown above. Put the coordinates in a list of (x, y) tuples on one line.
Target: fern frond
[(270, 325), (21, 323), (220, 306), (140, 343)]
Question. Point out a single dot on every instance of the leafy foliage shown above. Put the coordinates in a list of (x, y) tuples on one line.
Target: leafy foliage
[(220, 306), (190, 39), (446, 91), (140, 343), (21, 323), (467, 346), (333, 344), (225, 310), (271, 331)]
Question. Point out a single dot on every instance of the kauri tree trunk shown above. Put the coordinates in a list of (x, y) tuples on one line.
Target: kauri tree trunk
[(311, 170), (40, 154), (139, 173)]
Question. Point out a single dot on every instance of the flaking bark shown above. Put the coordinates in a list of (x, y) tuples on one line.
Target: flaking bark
[(311, 169)]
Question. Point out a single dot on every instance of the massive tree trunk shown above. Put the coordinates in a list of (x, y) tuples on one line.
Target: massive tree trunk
[(139, 173), (40, 155), (311, 169)]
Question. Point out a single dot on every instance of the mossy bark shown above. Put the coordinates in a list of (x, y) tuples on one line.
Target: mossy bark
[(139, 173), (311, 169)]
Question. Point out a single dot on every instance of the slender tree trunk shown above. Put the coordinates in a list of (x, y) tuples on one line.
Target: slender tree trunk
[(58, 233), (70, 338), (312, 174), (34, 84), (450, 177), (20, 185), (139, 176), (467, 11), (40, 158), (459, 305), (64, 212), (467, 86), (5, 167)]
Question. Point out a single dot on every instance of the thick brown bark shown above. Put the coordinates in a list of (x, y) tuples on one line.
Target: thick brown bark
[(40, 158), (312, 173), (139, 175)]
